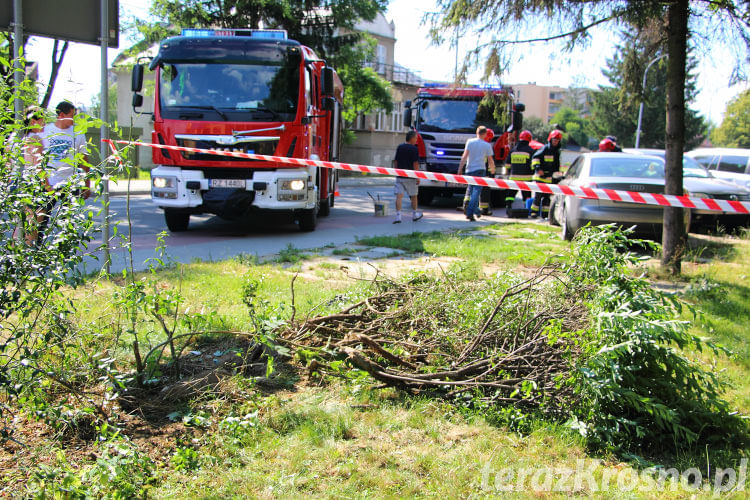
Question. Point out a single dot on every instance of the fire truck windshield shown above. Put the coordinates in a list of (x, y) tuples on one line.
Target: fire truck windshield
[(456, 115), (258, 91)]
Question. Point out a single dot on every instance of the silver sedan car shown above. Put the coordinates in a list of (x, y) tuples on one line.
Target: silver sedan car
[(700, 182), (620, 171)]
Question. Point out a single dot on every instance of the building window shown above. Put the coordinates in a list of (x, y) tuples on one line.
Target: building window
[(396, 118), (381, 59)]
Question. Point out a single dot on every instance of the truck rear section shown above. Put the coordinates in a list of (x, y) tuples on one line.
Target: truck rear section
[(249, 91)]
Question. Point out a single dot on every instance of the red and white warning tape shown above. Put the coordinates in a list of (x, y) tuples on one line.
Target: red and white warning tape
[(664, 200)]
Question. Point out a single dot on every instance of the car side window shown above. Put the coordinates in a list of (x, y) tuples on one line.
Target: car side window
[(574, 169), (706, 161), (734, 164)]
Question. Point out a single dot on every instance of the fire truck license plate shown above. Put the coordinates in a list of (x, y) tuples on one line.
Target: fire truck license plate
[(228, 183)]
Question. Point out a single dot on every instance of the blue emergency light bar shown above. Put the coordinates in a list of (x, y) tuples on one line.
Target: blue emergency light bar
[(434, 85), (264, 34)]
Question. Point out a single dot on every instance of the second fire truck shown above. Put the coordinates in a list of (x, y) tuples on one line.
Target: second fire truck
[(446, 117)]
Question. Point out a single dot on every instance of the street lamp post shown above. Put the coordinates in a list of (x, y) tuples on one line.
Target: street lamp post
[(640, 109)]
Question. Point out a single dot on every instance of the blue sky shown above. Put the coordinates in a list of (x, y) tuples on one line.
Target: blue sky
[(79, 78)]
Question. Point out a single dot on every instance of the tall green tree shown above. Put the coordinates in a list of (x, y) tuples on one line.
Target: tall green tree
[(575, 126), (326, 27), (734, 131), (505, 22), (615, 108), (8, 52)]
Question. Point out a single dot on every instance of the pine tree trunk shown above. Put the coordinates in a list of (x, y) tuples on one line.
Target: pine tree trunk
[(674, 237)]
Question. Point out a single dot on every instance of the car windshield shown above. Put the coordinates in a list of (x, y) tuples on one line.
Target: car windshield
[(248, 92), (627, 166), (646, 168)]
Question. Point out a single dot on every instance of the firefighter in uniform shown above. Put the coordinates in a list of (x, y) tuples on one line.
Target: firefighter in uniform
[(607, 145), (520, 168), (545, 163)]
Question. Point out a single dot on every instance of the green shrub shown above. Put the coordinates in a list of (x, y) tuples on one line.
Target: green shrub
[(637, 386)]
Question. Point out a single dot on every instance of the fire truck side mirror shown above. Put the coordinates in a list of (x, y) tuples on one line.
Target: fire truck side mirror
[(518, 110), (327, 80), (137, 100), (329, 103), (136, 78), (407, 117)]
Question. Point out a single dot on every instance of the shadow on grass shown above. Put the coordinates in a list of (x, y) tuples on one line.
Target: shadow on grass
[(219, 368), (703, 249)]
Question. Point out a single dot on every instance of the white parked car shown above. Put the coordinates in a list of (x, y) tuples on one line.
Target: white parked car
[(725, 163)]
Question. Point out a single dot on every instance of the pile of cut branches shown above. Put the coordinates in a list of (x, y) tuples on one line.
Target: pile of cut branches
[(503, 339)]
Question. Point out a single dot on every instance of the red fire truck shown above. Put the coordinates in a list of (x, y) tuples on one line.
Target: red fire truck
[(445, 117), (242, 90)]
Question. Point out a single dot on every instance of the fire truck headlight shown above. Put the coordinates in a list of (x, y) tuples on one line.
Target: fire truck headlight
[(292, 190), (293, 185), (164, 182)]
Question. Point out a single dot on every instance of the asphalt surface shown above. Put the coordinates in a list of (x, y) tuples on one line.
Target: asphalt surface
[(211, 238)]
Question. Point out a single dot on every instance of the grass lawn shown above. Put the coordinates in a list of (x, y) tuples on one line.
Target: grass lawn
[(293, 435)]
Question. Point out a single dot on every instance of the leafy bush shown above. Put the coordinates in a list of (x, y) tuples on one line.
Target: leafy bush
[(638, 388), (40, 349)]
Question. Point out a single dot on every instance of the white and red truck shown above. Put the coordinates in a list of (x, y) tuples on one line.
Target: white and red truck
[(445, 117), (241, 90)]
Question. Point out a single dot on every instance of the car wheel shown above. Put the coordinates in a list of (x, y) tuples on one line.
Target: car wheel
[(176, 221), (567, 233), (552, 217)]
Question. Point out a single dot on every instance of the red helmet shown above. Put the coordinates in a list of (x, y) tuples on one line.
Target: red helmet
[(525, 136), (489, 135), (606, 145), (555, 134)]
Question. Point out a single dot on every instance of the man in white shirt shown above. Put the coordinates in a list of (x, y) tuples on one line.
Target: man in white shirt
[(61, 145), (477, 152)]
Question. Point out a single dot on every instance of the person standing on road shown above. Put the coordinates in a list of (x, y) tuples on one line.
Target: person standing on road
[(545, 163), (407, 158), (31, 144), (477, 153), (63, 148), (520, 169)]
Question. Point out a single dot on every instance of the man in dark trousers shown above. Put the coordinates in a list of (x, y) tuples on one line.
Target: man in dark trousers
[(519, 160), (545, 162), (407, 158)]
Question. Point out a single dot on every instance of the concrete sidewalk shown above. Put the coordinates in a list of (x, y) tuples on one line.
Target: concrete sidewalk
[(121, 187)]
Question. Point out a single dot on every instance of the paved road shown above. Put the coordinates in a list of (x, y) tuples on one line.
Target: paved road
[(211, 238)]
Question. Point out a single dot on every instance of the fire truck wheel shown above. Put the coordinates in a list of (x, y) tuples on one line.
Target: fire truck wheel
[(497, 198), (176, 221), (325, 206), (425, 197), (308, 219)]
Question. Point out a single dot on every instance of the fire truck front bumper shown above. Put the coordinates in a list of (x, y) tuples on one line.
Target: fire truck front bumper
[(172, 187)]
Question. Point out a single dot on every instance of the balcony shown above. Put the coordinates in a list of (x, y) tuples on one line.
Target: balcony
[(395, 73)]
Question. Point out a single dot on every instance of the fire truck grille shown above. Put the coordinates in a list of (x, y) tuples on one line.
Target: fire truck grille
[(260, 148)]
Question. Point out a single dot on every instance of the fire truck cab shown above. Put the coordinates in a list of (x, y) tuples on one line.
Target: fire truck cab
[(242, 90)]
